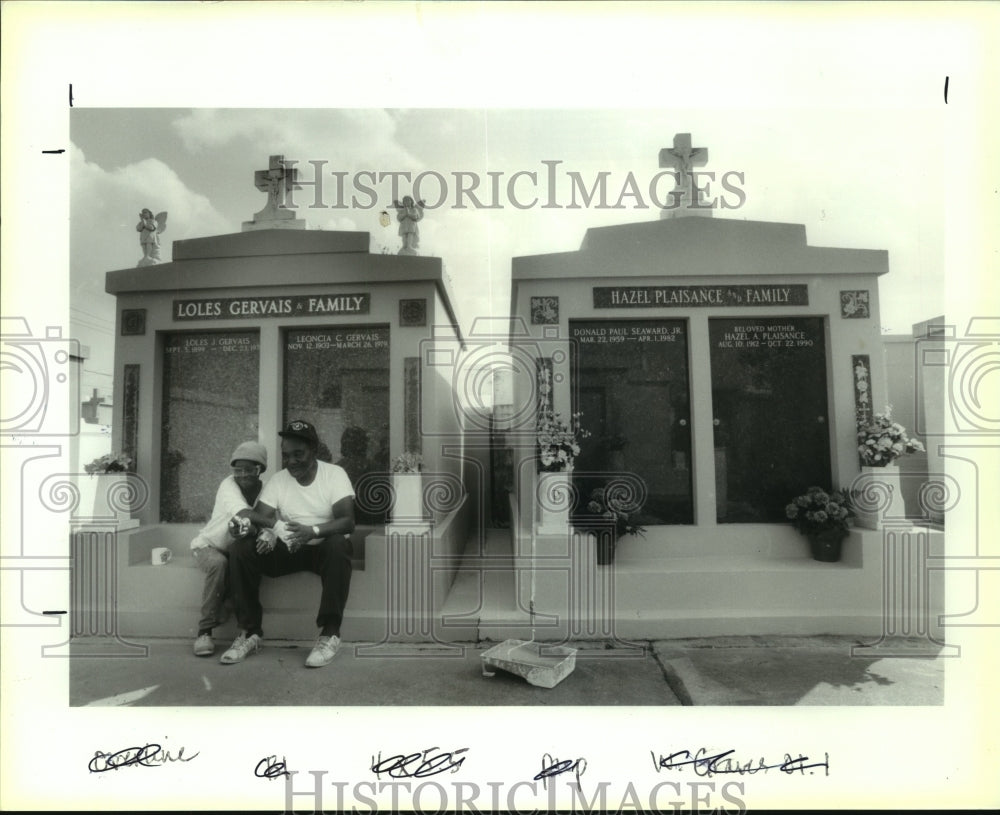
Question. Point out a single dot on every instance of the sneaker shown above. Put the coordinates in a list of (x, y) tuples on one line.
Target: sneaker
[(242, 647), (323, 651), (204, 646)]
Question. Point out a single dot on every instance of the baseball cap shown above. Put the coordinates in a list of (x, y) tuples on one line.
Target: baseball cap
[(250, 451), (297, 428)]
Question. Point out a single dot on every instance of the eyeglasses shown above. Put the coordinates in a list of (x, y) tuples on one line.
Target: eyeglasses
[(246, 470)]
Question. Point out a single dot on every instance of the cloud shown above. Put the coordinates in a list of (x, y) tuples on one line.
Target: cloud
[(349, 140), (104, 209)]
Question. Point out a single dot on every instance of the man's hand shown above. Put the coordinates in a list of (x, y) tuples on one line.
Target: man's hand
[(297, 535), (266, 542)]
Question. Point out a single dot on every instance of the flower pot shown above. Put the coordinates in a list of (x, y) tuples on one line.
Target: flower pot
[(876, 496), (408, 502), (553, 497), (826, 545)]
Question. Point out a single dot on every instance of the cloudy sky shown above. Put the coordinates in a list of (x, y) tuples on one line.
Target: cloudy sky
[(854, 178)]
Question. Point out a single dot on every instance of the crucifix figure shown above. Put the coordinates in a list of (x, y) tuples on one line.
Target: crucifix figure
[(683, 158), (276, 181)]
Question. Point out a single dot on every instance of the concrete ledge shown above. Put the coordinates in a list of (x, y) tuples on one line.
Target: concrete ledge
[(771, 587), (419, 588), (767, 543), (177, 538), (399, 584), (164, 601)]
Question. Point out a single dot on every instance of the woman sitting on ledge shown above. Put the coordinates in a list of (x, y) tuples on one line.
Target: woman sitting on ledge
[(236, 496)]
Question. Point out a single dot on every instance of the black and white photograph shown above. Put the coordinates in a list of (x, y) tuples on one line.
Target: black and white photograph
[(499, 406)]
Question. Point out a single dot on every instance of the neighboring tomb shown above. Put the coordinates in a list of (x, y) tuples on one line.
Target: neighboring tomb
[(715, 364), (710, 357)]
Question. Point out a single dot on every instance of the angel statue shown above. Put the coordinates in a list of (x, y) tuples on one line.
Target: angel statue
[(149, 229), (408, 213)]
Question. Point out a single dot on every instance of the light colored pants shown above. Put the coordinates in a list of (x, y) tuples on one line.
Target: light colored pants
[(216, 602)]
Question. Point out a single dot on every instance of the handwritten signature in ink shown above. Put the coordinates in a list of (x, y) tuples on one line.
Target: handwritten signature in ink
[(708, 764), (270, 767), (149, 755), (418, 765), (551, 767)]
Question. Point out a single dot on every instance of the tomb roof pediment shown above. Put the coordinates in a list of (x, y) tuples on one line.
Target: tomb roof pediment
[(263, 270), (689, 247), (698, 230), (270, 242), (274, 257)]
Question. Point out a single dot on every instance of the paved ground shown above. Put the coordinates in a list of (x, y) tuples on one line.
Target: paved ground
[(716, 671), (399, 675), (803, 671)]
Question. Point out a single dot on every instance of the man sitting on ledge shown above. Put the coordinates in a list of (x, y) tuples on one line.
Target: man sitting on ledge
[(306, 512)]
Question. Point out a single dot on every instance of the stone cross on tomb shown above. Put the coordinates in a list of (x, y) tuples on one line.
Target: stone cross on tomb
[(682, 157), (277, 181)]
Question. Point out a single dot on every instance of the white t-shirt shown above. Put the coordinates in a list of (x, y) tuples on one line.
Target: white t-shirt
[(310, 505), (228, 501)]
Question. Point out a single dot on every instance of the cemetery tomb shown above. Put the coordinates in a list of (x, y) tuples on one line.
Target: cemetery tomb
[(237, 334), (714, 362)]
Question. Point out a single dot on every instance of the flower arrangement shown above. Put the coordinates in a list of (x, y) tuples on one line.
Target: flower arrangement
[(818, 511), (604, 506), (109, 463), (557, 441), (408, 462), (881, 441)]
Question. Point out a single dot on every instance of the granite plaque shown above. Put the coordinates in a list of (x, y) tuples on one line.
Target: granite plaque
[(130, 413), (630, 381), (254, 308), (413, 312), (338, 379), (855, 304), (862, 369), (545, 311), (210, 393), (133, 322), (769, 411), (748, 295), (412, 439)]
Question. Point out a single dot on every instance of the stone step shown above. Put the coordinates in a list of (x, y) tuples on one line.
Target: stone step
[(483, 592), (643, 597), (120, 592), (483, 587)]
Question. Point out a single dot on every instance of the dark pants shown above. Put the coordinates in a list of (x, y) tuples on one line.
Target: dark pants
[(331, 560)]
